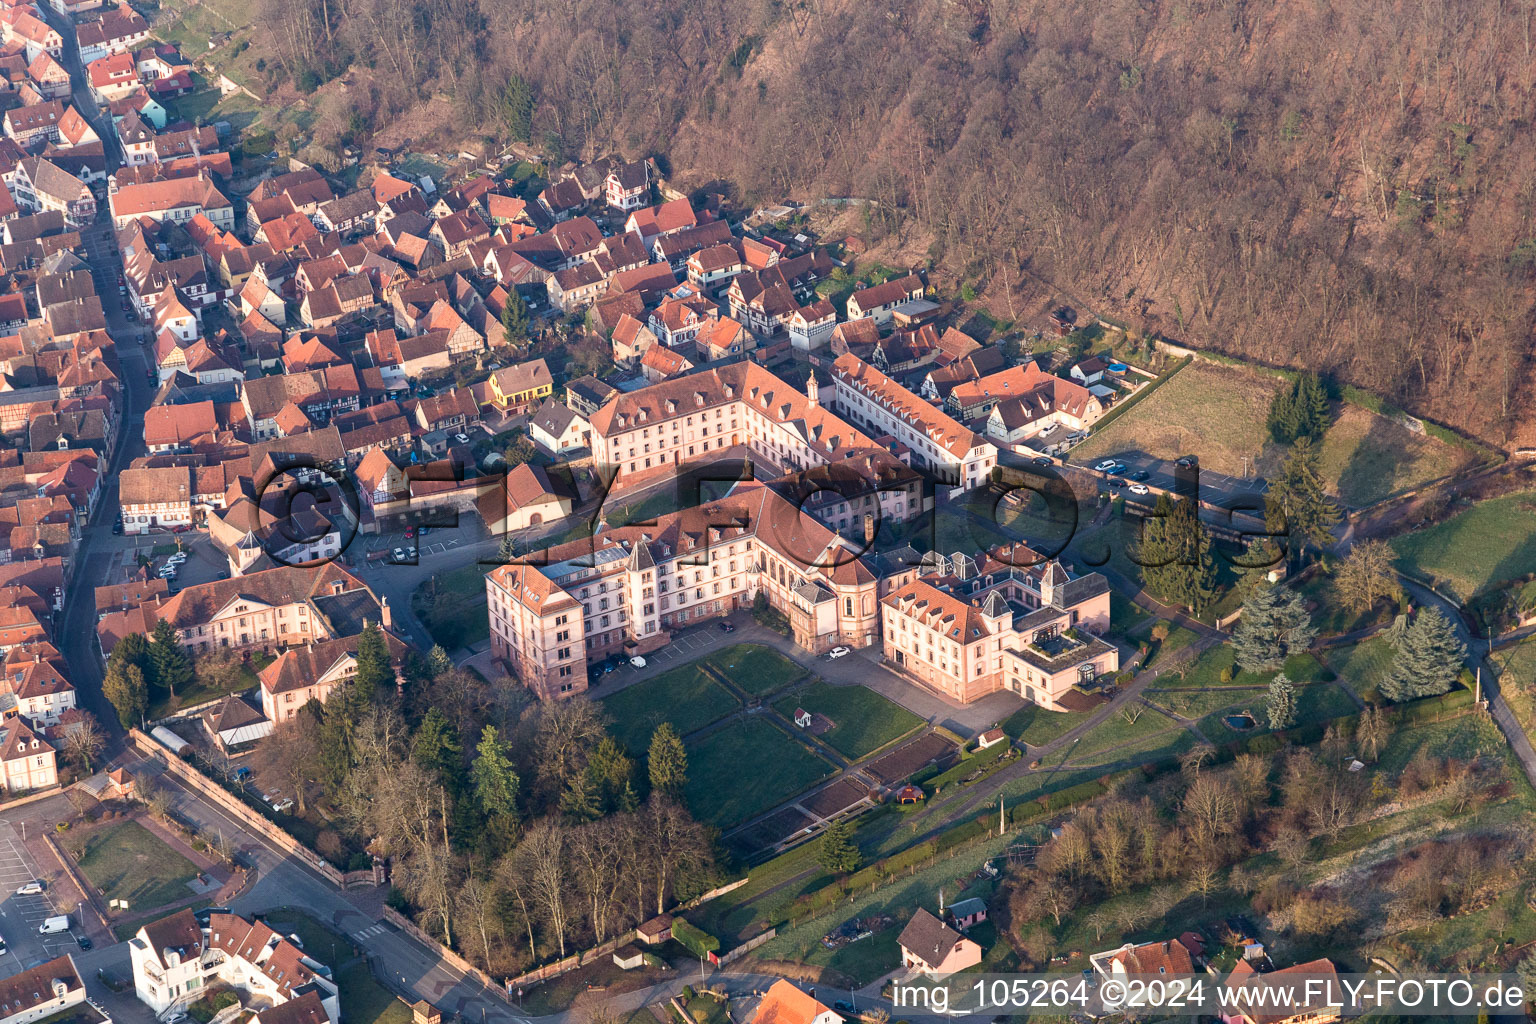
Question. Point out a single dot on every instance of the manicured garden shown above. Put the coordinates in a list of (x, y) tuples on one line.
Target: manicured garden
[(1489, 543), (127, 861), (756, 669), (684, 696), (1037, 726), (862, 720), (744, 768), (1362, 666)]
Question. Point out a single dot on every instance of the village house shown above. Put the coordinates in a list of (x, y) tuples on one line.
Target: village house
[(523, 498), (1149, 960), (628, 186), (267, 610), (175, 960), (929, 946), (177, 200), (40, 184), (784, 1003), (47, 990), (558, 428), (29, 126), (631, 339), (881, 300), (1261, 998), (520, 388), (30, 761), (311, 672), (661, 363)]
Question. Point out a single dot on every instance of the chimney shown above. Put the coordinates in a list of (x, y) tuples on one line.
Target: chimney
[(812, 391), (869, 528), (385, 619)]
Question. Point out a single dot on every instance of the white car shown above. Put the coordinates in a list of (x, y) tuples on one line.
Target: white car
[(637, 661), (839, 652), (177, 558), (398, 554), (1105, 466), (1138, 488), (30, 889)]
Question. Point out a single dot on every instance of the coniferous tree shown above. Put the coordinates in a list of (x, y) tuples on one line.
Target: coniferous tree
[(1274, 626), (838, 854), (375, 676), (1299, 410), (1280, 703), (514, 317), (496, 782), (1429, 658), (437, 749), (123, 686), (1298, 501), (1176, 557), (582, 800), (172, 667), (667, 761)]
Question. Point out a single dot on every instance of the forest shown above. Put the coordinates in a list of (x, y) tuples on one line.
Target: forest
[(1339, 186)]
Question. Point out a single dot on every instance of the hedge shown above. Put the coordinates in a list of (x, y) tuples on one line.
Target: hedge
[(694, 939)]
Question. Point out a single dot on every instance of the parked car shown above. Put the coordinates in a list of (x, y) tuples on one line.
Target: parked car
[(461, 438), (84, 941), (1115, 483), (726, 627), (1187, 462), (1042, 461), (1117, 469), (1141, 474), (410, 532), (398, 555), (32, 888), (839, 652), (1139, 489), (1105, 466), (117, 528), (637, 661)]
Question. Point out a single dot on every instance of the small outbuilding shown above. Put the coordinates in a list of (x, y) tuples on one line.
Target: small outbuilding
[(628, 957), (655, 931)]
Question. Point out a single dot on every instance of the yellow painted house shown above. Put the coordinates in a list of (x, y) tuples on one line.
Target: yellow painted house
[(519, 388)]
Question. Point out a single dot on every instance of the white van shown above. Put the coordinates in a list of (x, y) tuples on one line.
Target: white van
[(54, 925)]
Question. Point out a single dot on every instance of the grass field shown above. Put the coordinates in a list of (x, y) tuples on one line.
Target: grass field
[(1516, 667), (723, 790), (1216, 412), (756, 669), (1491, 542), (129, 862), (685, 696), (1206, 671), (1330, 614), (1320, 702), (862, 720), (1116, 731), (1037, 726), (1369, 457), (1362, 666)]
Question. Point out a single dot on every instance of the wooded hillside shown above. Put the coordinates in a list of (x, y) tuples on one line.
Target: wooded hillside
[(1341, 186)]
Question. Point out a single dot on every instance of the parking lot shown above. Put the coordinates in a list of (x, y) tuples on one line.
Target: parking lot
[(20, 916)]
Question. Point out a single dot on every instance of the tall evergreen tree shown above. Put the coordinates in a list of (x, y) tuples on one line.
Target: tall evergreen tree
[(1298, 501), (667, 761), (612, 771), (514, 317), (172, 666), (1280, 702), (438, 661), (582, 799), (1176, 556), (1299, 410), (838, 854), (1429, 658), (1274, 626), (437, 748), (123, 686), (496, 782), (375, 677)]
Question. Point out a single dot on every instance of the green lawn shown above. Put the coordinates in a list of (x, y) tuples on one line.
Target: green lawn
[(454, 619), (129, 862), (1320, 702), (1368, 456), (1178, 639), (1489, 543), (1037, 726), (1198, 703), (1516, 667), (1208, 409), (1124, 614), (863, 961), (1206, 671), (1330, 614), (1362, 666), (756, 669), (202, 691), (1116, 731), (685, 696), (745, 768), (468, 580), (862, 720)]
